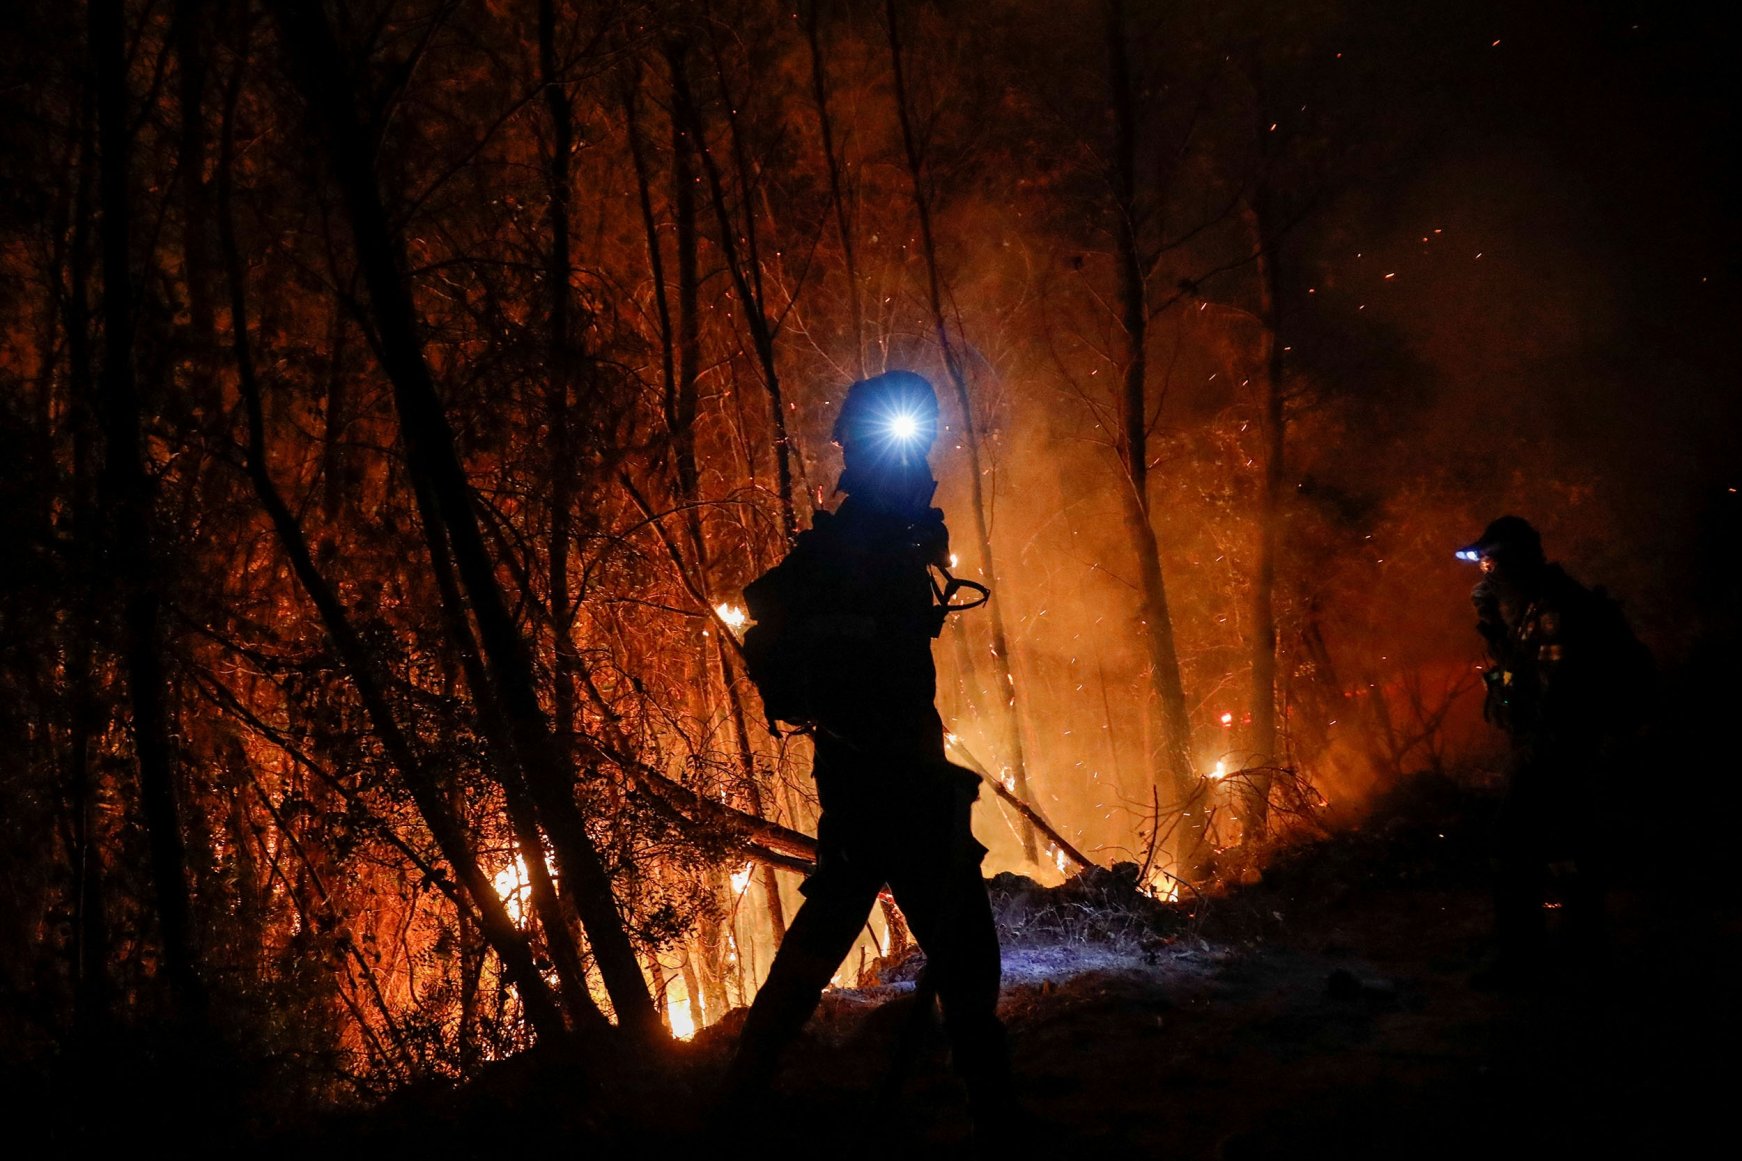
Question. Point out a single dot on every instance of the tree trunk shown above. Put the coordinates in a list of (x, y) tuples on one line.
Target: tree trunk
[(187, 29), (90, 936), (471, 966), (562, 357), (837, 194), (746, 279), (1174, 774), (522, 813), (1010, 719), (333, 483), (692, 986), (1264, 751), (444, 825), (680, 407), (127, 501), (432, 457), (689, 342), (711, 937)]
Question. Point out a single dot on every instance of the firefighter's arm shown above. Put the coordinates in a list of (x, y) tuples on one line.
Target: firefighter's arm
[(1489, 621), (1491, 625), (1563, 672)]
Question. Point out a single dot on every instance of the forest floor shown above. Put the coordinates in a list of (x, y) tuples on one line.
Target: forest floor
[(1325, 1010)]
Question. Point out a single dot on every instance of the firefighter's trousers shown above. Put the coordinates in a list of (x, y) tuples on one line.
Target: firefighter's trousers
[(1550, 827), (931, 864)]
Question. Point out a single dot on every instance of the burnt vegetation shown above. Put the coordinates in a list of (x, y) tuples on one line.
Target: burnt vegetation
[(397, 396)]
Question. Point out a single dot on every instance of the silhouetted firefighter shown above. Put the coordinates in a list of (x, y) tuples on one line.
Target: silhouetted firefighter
[(1571, 686), (842, 647)]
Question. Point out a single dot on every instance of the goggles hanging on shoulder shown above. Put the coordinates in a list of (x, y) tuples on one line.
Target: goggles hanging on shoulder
[(947, 592)]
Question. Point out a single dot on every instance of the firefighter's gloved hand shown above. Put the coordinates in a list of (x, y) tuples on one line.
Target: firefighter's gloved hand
[(1486, 598), (931, 538)]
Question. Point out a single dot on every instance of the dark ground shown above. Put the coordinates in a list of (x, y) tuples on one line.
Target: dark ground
[(1324, 1011)]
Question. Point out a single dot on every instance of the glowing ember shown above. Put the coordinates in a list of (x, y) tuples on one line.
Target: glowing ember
[(1060, 860), (1219, 773), (682, 1020), (741, 879), (1227, 719), (1162, 887), (733, 617), (512, 883)]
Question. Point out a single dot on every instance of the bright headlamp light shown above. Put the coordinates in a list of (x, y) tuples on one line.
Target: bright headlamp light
[(903, 427)]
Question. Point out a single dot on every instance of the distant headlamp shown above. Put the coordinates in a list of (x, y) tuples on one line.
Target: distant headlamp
[(903, 427), (1509, 540)]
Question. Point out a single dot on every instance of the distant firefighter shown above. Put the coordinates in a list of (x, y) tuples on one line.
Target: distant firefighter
[(1571, 686), (842, 646)]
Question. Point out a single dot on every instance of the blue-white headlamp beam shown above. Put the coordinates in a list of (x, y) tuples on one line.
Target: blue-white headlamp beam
[(898, 428)]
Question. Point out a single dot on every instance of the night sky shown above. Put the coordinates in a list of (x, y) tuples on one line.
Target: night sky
[(1548, 256)]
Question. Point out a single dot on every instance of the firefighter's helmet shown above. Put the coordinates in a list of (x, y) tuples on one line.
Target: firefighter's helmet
[(1510, 540), (893, 415)]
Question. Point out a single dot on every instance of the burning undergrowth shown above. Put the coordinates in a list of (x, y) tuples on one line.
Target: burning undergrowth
[(1098, 918), (1426, 831), (1330, 992), (1098, 907)]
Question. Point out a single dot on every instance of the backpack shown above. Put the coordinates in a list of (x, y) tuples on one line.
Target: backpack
[(780, 647), (1628, 669), (776, 660)]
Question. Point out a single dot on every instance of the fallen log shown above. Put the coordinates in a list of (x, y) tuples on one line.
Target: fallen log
[(774, 843), (780, 846)]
